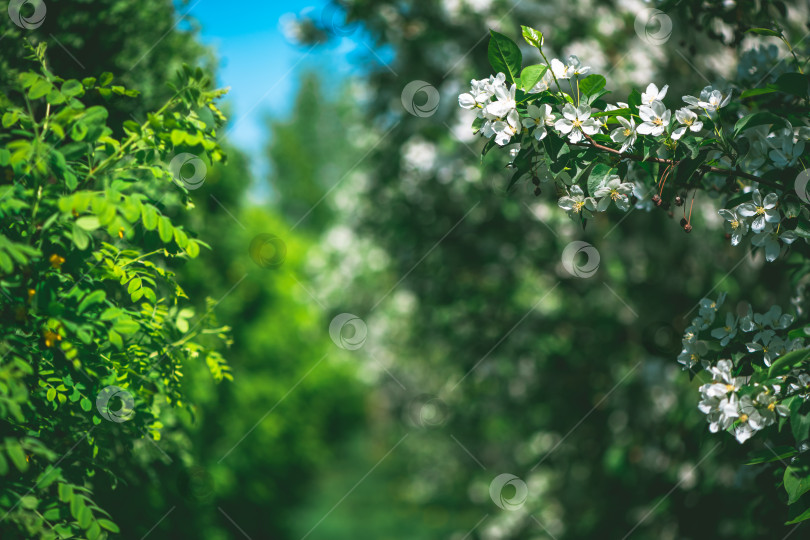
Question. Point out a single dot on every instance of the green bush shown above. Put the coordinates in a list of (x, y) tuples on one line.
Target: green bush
[(95, 326)]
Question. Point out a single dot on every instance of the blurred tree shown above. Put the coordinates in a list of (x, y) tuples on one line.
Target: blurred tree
[(247, 450), (142, 43), (570, 384)]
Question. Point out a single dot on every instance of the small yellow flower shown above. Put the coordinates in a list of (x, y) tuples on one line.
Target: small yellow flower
[(56, 261), (51, 338), (31, 293), (121, 232)]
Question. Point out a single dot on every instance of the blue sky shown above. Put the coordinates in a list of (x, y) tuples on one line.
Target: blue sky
[(259, 64)]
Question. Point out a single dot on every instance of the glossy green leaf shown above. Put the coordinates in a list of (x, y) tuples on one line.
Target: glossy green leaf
[(504, 56)]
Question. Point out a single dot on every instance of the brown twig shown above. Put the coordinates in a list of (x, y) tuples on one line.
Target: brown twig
[(703, 168)]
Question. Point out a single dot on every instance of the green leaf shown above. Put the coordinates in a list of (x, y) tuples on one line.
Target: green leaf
[(786, 362), (180, 237), (165, 229), (125, 326), (634, 101), (799, 423), (110, 313), (76, 504), (9, 119), (150, 217), (758, 119), (193, 248), (504, 55), (72, 88), (65, 492), (797, 482), (94, 531), (592, 84), (178, 137), (85, 404), (134, 285), (756, 92), (115, 339), (105, 78), (109, 525), (29, 502), (80, 238), (599, 174), (795, 84), (88, 223), (531, 75), (771, 454), (17, 455), (51, 394), (85, 517), (764, 32), (39, 89), (533, 37), (688, 166), (801, 517)]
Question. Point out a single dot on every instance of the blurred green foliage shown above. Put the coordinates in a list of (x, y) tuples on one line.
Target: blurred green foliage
[(483, 356)]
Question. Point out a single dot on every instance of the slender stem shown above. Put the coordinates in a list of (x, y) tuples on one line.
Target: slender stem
[(795, 58), (552, 71), (141, 257)]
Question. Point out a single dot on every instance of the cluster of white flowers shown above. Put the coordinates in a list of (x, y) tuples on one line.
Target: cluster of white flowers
[(610, 189), (724, 407), (501, 117), (730, 400), (762, 217), (775, 145), (778, 149), (494, 101), (761, 65)]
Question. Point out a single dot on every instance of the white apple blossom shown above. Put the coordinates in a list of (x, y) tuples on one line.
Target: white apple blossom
[(711, 99), (576, 204), (689, 120), (613, 189), (653, 94), (539, 118), (575, 67), (735, 225), (507, 128), (656, 118), (575, 122), (626, 134), (504, 103), (762, 210), (715, 101), (726, 333), (560, 70), (787, 153)]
